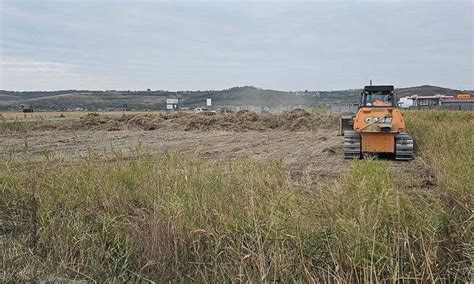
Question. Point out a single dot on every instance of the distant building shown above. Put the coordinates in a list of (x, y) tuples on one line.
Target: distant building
[(462, 101), (405, 102), (426, 102)]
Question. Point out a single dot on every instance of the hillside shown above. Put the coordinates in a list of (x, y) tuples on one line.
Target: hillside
[(156, 100), (426, 90)]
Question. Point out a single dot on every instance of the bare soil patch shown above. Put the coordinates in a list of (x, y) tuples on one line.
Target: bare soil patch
[(307, 144), (310, 156)]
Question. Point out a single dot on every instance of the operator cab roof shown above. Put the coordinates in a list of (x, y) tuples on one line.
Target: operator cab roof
[(379, 88)]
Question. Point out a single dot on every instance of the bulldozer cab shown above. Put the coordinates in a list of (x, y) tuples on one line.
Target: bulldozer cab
[(378, 96)]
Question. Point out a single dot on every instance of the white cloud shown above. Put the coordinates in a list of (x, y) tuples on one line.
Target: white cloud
[(34, 66)]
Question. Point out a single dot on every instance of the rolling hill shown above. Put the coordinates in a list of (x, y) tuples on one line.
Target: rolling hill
[(156, 100), (426, 90)]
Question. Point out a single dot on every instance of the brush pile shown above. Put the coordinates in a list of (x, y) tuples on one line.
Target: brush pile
[(296, 120)]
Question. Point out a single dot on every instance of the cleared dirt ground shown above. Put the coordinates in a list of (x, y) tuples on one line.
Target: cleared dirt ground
[(307, 144), (313, 153)]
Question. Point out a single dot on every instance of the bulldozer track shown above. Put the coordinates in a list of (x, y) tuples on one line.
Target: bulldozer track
[(403, 147), (352, 145)]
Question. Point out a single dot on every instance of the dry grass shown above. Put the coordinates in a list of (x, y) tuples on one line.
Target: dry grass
[(445, 142), (52, 115), (176, 218)]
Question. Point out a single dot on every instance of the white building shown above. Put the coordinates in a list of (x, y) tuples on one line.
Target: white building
[(406, 102)]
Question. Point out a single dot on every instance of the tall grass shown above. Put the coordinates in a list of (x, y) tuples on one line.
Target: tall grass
[(177, 218), (380, 232), (445, 143), (172, 219)]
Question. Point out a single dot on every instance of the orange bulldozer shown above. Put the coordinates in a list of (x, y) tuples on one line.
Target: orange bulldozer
[(377, 128)]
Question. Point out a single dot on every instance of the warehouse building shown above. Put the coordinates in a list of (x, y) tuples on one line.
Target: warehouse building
[(426, 102), (463, 101)]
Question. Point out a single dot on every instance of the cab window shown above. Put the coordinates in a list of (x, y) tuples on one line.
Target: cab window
[(378, 98)]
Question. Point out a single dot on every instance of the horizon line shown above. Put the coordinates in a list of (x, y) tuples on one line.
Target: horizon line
[(216, 90)]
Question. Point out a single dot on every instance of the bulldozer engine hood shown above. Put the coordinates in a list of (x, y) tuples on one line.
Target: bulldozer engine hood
[(379, 120)]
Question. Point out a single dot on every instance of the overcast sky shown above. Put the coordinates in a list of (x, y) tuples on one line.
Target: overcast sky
[(51, 45)]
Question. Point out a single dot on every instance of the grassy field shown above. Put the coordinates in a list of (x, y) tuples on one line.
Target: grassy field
[(178, 218)]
